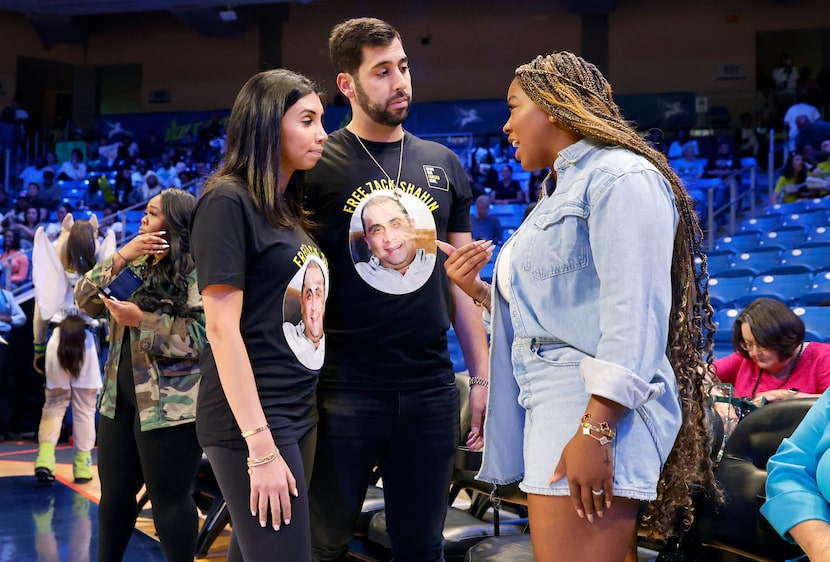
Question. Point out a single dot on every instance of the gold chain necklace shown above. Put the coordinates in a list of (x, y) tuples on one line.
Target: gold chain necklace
[(400, 162)]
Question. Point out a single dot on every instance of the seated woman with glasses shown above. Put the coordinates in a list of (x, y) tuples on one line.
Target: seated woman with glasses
[(771, 360)]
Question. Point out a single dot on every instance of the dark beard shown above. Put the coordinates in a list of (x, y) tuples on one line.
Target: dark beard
[(377, 112)]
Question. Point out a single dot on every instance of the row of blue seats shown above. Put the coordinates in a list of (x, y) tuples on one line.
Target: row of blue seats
[(812, 257), (783, 237), (795, 289)]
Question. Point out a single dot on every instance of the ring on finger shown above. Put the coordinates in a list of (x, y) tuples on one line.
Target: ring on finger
[(598, 492)]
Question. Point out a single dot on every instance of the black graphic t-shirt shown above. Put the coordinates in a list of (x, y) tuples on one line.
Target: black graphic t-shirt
[(389, 307), (285, 280)]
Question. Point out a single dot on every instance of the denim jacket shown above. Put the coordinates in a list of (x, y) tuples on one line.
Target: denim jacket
[(589, 282)]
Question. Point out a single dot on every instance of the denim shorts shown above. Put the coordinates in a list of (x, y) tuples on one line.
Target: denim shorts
[(552, 392)]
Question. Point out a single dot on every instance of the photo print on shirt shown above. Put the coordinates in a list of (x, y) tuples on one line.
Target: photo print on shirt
[(304, 307), (392, 238)]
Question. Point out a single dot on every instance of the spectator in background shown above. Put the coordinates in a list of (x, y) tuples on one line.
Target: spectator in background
[(802, 112), (15, 264), (811, 132), (785, 75), (772, 361), (11, 316), (680, 140), (53, 229), (746, 138), (33, 173), (51, 192), (791, 185), (166, 172), (26, 229), (485, 225), (30, 198), (152, 148), (507, 189), (110, 221), (73, 169), (689, 167)]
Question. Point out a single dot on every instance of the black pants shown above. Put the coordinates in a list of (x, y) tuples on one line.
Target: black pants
[(166, 460), (249, 541), (412, 436)]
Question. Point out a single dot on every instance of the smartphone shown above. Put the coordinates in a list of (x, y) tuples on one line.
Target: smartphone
[(123, 285)]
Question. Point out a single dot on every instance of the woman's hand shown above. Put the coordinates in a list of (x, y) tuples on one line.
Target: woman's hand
[(125, 313), (272, 484), (589, 467), (145, 244), (464, 264)]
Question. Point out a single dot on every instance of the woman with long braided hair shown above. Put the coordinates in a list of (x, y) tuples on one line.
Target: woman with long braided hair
[(600, 325)]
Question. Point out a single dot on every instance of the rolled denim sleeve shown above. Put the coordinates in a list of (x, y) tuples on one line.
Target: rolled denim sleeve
[(632, 228)]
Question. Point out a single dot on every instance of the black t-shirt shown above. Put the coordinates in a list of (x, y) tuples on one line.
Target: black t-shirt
[(509, 191), (234, 244), (384, 330)]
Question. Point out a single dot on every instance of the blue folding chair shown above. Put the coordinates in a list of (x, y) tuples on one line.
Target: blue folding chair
[(819, 293), (786, 288), (798, 206), (726, 289), (816, 322)]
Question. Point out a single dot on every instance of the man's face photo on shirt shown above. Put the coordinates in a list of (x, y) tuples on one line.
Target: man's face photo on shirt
[(313, 302), (389, 232)]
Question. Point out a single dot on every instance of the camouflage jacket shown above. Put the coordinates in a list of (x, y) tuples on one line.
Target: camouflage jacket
[(164, 348)]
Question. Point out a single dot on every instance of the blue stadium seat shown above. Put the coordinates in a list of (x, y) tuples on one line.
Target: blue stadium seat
[(809, 257), (798, 206), (739, 242), (458, 364), (819, 234), (724, 319), (808, 219), (758, 260), (819, 292), (787, 288), (819, 203), (726, 289), (718, 261), (785, 237), (816, 322), (764, 223)]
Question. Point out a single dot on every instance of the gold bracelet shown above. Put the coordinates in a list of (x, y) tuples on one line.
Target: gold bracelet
[(602, 432), (252, 462), (481, 381), (246, 434), (485, 302)]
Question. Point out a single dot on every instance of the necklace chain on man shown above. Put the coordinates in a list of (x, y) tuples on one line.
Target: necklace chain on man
[(400, 162)]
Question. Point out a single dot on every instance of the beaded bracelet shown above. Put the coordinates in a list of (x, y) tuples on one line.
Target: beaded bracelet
[(246, 434), (252, 462), (604, 431), (481, 381)]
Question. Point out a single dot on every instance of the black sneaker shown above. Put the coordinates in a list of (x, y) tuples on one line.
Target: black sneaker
[(44, 475)]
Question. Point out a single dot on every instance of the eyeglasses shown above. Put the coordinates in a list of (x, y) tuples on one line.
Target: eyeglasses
[(752, 346)]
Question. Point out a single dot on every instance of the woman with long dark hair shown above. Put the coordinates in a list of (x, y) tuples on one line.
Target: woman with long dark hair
[(264, 283), (146, 434)]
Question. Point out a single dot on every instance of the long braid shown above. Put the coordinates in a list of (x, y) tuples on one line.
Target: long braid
[(577, 95)]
